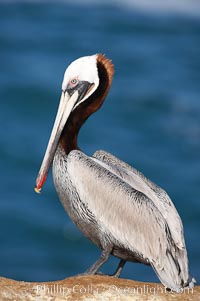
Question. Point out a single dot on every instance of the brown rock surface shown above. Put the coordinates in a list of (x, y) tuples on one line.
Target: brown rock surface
[(90, 288)]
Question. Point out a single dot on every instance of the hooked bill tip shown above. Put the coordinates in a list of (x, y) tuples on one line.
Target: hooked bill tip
[(37, 190), (40, 182)]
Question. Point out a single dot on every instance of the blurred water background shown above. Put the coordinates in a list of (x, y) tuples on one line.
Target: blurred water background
[(151, 119)]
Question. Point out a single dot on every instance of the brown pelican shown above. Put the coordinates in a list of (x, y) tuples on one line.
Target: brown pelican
[(113, 204)]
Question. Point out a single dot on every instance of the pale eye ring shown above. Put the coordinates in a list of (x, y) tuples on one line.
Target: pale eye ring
[(73, 81)]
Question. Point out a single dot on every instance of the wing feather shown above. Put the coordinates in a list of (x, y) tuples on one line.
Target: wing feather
[(134, 212), (158, 196), (128, 214)]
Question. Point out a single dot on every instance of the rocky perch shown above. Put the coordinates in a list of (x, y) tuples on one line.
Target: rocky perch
[(90, 288)]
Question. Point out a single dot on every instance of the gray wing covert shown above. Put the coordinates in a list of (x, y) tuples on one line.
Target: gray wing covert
[(121, 211), (160, 198), (175, 262)]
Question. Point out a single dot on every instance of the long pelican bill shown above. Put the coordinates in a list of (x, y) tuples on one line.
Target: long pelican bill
[(66, 105)]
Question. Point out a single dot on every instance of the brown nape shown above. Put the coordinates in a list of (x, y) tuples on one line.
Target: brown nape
[(70, 132)]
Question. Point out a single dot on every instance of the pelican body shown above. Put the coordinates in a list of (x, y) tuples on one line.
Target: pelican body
[(113, 204)]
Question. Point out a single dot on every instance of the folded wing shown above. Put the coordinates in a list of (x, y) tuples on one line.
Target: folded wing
[(133, 211)]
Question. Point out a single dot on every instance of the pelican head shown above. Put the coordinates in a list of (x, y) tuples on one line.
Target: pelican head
[(81, 75), (85, 85)]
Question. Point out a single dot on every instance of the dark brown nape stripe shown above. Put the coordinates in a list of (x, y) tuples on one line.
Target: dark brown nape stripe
[(69, 136), (93, 103), (107, 64)]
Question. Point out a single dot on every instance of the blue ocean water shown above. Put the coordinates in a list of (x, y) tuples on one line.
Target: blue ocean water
[(151, 119)]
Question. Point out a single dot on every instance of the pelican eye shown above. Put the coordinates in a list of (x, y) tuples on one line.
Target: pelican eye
[(73, 82)]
